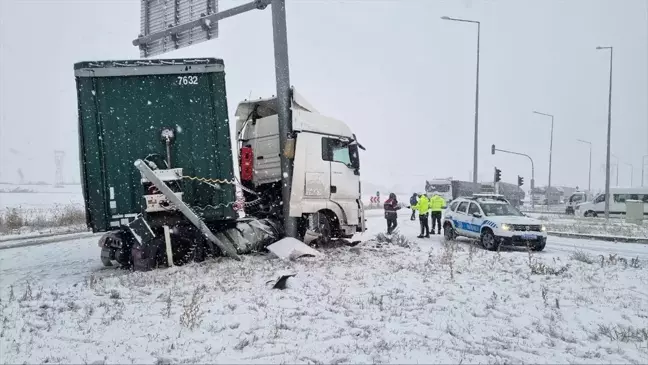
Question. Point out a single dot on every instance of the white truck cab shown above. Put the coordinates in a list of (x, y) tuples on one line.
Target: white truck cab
[(443, 187), (326, 162), (575, 199)]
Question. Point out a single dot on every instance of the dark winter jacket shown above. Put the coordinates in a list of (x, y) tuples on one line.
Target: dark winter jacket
[(391, 206), (414, 199)]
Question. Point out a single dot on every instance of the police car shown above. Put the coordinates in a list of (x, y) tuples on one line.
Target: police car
[(494, 223)]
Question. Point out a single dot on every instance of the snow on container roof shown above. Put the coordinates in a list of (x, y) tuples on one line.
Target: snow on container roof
[(148, 67)]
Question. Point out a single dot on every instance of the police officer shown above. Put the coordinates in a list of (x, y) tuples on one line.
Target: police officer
[(436, 206), (423, 206)]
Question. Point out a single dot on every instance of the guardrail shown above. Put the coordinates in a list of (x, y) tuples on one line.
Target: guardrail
[(597, 237), (50, 238)]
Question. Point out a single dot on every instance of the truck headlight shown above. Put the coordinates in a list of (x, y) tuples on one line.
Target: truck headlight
[(543, 228), (505, 227)]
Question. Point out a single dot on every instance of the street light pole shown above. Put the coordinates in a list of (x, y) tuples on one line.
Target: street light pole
[(631, 172), (609, 132), (617, 169), (550, 153), (476, 141), (589, 177), (643, 166)]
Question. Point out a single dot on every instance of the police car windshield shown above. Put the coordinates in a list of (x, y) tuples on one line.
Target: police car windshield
[(497, 209)]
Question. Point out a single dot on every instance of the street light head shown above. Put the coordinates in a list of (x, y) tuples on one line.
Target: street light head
[(606, 47), (445, 17)]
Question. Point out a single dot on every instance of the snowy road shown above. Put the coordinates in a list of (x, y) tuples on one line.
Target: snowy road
[(426, 302), (70, 262)]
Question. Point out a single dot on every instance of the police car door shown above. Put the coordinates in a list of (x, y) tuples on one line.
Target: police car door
[(476, 217), (460, 219)]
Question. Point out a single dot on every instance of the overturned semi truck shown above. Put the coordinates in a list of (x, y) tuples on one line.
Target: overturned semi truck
[(157, 166)]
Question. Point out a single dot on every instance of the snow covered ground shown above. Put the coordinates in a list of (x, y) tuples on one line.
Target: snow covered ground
[(427, 303), (39, 198), (40, 209)]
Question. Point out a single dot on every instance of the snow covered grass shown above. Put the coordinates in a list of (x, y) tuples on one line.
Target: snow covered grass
[(429, 302), (57, 218)]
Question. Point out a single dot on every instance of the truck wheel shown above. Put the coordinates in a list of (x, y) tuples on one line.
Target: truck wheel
[(321, 226), (105, 257), (488, 240), (590, 213)]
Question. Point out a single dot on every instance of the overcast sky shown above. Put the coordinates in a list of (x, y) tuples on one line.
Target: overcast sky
[(401, 77)]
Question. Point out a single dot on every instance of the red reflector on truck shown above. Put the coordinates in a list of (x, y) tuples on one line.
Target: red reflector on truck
[(247, 161)]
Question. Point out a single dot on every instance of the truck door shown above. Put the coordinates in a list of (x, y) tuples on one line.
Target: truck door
[(345, 175)]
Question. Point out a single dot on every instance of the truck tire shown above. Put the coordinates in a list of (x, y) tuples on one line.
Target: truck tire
[(106, 256), (488, 240), (320, 224)]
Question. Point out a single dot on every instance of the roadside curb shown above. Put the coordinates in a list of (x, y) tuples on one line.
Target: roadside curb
[(36, 236), (600, 237), (25, 242), (542, 212)]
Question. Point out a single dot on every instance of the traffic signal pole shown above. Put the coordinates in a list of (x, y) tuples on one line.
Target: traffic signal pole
[(493, 149)]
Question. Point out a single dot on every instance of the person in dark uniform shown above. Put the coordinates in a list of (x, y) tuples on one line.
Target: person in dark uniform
[(437, 203), (391, 212), (413, 200)]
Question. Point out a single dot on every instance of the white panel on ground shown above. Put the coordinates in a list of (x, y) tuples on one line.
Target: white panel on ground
[(291, 248)]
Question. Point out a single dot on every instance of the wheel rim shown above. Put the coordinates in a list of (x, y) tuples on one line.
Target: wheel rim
[(320, 226), (489, 240)]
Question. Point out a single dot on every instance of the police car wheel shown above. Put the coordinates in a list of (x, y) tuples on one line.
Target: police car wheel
[(488, 240), (540, 245), (449, 232)]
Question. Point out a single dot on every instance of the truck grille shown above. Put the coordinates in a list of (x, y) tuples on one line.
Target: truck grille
[(526, 227)]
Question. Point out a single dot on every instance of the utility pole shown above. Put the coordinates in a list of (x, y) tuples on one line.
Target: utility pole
[(609, 132), (618, 162), (589, 178), (643, 167), (631, 173), (476, 137), (286, 140), (550, 155)]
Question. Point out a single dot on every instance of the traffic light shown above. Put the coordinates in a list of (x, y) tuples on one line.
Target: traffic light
[(520, 181), (492, 149), (498, 174)]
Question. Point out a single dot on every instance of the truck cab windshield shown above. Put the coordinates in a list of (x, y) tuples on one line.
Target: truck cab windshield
[(438, 188)]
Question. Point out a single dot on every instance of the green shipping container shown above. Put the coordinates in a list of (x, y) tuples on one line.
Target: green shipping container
[(124, 106)]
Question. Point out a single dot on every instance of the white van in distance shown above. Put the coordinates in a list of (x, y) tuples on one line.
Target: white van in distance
[(576, 198), (596, 207)]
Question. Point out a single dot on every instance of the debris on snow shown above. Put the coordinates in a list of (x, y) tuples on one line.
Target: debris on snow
[(290, 249), (280, 283)]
